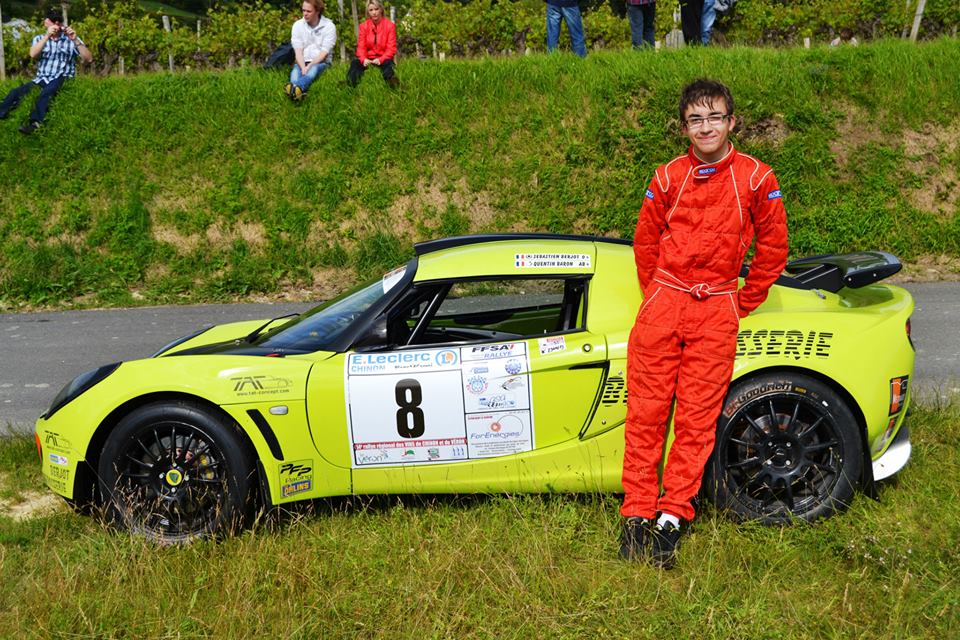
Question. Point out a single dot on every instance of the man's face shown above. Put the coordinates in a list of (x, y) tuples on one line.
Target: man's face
[(47, 22), (709, 140), (309, 12)]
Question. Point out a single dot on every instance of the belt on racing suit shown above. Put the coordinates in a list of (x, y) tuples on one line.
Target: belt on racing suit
[(699, 291)]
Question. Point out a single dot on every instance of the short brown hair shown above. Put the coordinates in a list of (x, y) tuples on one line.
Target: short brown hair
[(703, 91), (318, 5)]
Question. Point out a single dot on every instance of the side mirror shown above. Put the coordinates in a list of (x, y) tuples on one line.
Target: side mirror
[(375, 336)]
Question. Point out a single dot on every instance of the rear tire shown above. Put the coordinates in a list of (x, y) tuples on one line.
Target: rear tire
[(788, 447), (174, 472)]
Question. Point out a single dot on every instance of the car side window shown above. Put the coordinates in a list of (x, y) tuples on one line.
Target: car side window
[(494, 309)]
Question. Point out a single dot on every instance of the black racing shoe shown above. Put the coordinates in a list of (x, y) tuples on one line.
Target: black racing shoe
[(663, 547), (635, 542), (29, 128)]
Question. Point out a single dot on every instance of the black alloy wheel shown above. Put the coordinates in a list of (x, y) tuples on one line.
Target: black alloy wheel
[(787, 448), (174, 472)]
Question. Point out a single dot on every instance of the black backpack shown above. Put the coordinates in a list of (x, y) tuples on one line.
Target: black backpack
[(281, 58)]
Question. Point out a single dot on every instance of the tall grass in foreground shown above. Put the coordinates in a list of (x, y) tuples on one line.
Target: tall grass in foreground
[(502, 567), (212, 186)]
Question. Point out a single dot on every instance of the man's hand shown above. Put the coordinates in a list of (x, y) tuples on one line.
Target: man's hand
[(70, 33), (52, 30)]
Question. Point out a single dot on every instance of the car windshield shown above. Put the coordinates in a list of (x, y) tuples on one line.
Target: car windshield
[(322, 325)]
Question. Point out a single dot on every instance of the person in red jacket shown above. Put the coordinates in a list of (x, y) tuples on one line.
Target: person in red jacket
[(698, 219), (376, 45)]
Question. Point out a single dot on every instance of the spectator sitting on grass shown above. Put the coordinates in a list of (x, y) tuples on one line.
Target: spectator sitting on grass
[(313, 38), (376, 45), (846, 37), (57, 49)]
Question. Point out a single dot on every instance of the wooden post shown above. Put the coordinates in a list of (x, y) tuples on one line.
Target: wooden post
[(356, 24), (393, 19), (434, 49), (198, 29), (806, 43), (3, 60), (343, 46), (120, 66), (917, 17), (166, 27)]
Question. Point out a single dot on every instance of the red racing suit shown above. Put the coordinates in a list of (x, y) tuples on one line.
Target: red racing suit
[(695, 227)]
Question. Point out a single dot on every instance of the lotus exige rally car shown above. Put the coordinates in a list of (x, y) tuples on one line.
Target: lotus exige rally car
[(486, 364)]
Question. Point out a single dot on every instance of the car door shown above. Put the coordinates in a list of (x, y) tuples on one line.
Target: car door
[(475, 370)]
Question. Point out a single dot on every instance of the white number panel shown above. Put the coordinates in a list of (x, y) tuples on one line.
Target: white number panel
[(439, 405)]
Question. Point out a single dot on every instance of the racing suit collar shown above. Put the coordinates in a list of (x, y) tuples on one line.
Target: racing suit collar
[(703, 170)]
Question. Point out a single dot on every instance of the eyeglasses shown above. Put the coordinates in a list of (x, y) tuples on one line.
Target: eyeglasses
[(714, 120)]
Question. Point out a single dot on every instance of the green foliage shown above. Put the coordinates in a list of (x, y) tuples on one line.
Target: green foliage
[(201, 186), (242, 33)]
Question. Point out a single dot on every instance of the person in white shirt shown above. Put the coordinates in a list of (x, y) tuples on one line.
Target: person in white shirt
[(313, 38)]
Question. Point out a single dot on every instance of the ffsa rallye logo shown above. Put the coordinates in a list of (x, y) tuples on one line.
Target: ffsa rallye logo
[(260, 385)]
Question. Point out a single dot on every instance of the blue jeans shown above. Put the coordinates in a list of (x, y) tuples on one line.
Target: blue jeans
[(641, 18), (47, 92), (570, 15), (706, 21), (304, 81)]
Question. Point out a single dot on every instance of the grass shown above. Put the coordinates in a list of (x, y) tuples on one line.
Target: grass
[(502, 566), (199, 187)]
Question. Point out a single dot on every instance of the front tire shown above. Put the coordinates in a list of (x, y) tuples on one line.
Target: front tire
[(174, 472), (788, 447)]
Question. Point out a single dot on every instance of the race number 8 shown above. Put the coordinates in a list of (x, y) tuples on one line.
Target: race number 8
[(409, 410)]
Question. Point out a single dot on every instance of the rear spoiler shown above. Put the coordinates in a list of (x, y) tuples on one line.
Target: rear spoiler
[(833, 272)]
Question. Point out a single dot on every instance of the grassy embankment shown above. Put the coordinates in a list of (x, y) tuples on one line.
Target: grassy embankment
[(201, 187), (498, 567)]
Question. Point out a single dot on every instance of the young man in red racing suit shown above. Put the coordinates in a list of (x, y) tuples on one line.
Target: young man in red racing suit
[(698, 219)]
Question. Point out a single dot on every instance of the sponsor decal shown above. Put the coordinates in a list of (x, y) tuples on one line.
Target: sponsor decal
[(56, 442), (433, 453), (790, 343), (773, 195), (56, 485), (58, 473), (409, 454), (59, 460), (447, 358), (476, 385), (391, 278), (513, 367), (499, 401), (296, 477), (649, 194), (552, 260), (374, 363), (552, 345), (480, 370), (504, 427), (706, 171), (260, 385), (510, 384)]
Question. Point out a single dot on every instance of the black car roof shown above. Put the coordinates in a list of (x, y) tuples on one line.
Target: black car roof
[(430, 246)]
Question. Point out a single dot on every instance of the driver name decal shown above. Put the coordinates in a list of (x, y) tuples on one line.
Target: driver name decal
[(552, 260), (439, 405)]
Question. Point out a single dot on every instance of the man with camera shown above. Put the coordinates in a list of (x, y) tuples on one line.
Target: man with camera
[(57, 49)]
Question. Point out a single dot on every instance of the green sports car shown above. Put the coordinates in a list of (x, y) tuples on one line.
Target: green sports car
[(492, 363)]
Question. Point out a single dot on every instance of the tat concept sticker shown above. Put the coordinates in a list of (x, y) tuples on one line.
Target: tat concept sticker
[(439, 405)]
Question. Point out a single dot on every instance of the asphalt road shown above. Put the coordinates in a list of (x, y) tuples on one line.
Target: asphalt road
[(40, 352)]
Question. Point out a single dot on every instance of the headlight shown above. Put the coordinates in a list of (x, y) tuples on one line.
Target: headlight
[(80, 384)]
